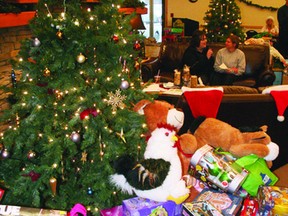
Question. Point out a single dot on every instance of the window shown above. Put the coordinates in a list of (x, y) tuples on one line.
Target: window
[(153, 20)]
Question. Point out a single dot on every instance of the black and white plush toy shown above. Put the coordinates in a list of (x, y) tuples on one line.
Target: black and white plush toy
[(159, 176)]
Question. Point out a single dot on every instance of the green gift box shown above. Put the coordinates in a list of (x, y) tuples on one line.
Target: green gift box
[(259, 173)]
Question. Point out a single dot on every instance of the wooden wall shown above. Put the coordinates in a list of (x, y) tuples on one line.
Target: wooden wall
[(252, 17)]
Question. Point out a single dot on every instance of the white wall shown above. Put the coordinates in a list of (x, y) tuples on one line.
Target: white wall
[(252, 17)]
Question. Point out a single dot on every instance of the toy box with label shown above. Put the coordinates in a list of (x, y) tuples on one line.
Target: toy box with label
[(19, 211), (228, 204), (273, 200), (140, 206), (199, 209), (217, 169)]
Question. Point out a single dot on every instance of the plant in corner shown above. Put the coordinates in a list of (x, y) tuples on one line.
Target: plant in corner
[(133, 4)]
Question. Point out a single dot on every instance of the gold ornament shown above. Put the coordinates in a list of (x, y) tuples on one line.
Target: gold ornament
[(84, 157), (53, 185), (226, 26), (116, 100), (121, 135), (59, 34), (81, 58), (46, 72)]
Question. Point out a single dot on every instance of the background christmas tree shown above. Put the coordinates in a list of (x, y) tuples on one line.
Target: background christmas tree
[(73, 112), (222, 19)]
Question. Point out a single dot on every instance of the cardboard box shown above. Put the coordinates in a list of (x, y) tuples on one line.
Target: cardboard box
[(273, 200), (24, 211), (228, 204), (200, 208), (284, 79), (140, 206)]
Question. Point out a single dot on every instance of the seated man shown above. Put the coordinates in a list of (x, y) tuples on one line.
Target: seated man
[(230, 63)]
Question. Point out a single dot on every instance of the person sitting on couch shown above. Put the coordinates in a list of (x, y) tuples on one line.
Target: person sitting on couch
[(230, 63), (199, 57)]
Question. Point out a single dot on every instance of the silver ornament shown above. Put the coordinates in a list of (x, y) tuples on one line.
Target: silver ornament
[(124, 85), (31, 154), (75, 137), (81, 58), (36, 42), (5, 153)]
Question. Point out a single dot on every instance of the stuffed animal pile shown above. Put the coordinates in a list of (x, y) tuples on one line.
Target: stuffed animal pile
[(209, 131)]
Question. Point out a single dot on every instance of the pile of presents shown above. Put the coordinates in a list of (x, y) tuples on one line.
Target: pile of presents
[(223, 185)]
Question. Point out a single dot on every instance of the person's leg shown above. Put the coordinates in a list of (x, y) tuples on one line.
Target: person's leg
[(216, 79)]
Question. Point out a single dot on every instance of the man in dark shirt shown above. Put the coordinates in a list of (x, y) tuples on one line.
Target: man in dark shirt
[(282, 16)]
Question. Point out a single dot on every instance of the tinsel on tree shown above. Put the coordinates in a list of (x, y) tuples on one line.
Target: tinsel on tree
[(222, 19), (74, 107)]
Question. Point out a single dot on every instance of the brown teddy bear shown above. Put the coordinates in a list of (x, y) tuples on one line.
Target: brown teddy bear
[(217, 133), (161, 112)]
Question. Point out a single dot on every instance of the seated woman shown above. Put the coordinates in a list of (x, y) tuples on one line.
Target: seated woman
[(230, 63), (270, 27), (199, 57)]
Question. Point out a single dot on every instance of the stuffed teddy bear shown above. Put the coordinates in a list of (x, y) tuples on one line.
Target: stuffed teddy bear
[(217, 133), (161, 112)]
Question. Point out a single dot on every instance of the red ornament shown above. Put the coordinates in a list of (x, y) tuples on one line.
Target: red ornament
[(137, 46), (89, 111), (115, 38), (33, 175)]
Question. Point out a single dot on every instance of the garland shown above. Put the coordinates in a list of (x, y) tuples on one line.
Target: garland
[(259, 6)]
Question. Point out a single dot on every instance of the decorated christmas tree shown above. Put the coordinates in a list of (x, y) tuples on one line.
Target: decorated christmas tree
[(222, 19), (73, 112)]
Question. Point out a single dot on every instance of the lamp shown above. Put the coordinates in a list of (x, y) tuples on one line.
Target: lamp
[(137, 23)]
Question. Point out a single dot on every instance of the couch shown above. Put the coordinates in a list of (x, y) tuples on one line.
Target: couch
[(258, 70)]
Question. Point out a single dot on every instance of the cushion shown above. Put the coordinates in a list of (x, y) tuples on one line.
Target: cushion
[(239, 90)]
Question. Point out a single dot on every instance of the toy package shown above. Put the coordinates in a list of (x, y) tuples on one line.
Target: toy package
[(202, 208), (227, 203), (114, 211), (140, 206), (273, 200), (216, 168), (250, 207)]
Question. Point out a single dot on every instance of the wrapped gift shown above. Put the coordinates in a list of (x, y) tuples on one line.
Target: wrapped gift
[(217, 169), (114, 211), (273, 200), (259, 173), (21, 211), (227, 203), (200, 208), (2, 191), (140, 206)]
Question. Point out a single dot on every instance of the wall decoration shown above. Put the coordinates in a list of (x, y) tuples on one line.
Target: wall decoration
[(259, 6)]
